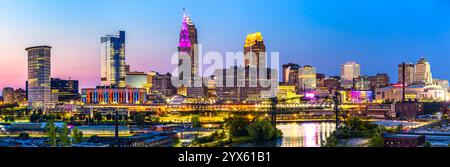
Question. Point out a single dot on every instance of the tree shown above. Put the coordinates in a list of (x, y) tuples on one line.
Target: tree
[(40, 112), (77, 135), (108, 117), (195, 120), (237, 126), (427, 144), (355, 124), (331, 141), (98, 117), (72, 119), (376, 140), (139, 120), (50, 129), (35, 117), (63, 136), (261, 130), (24, 135), (155, 119), (399, 128), (9, 119), (50, 117)]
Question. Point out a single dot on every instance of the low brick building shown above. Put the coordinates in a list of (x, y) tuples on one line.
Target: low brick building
[(409, 110), (403, 140)]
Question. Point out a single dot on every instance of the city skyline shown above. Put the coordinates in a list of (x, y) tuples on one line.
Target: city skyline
[(407, 44)]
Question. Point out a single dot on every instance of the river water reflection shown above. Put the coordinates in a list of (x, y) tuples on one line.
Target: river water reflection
[(305, 134)]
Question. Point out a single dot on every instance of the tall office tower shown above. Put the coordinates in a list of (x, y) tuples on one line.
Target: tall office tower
[(39, 85), (188, 46), (8, 95), (423, 72), (290, 73), (254, 50), (307, 78), (409, 73), (349, 72), (113, 60)]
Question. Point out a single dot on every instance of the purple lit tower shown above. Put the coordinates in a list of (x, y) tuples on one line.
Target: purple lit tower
[(188, 45)]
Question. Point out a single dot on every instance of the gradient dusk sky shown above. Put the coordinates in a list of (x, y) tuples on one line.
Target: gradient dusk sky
[(378, 34)]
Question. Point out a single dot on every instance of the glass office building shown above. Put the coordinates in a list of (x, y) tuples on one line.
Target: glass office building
[(113, 60), (39, 85)]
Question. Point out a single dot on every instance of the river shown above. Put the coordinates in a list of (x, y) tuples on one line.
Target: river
[(304, 134)]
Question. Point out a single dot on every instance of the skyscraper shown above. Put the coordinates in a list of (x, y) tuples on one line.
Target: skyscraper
[(307, 78), (254, 50), (188, 43), (188, 46), (409, 73), (423, 72), (349, 72), (39, 85), (290, 73), (113, 60)]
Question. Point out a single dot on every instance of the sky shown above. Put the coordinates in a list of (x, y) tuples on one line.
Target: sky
[(378, 34)]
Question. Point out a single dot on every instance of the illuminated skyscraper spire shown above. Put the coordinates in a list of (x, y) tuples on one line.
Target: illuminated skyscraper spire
[(185, 41), (188, 46)]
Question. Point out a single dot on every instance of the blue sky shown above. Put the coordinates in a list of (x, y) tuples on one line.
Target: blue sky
[(378, 34)]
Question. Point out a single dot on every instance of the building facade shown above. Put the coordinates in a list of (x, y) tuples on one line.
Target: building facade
[(137, 80), (441, 82), (290, 73), (380, 80), (254, 51), (320, 80), (403, 140), (8, 95), (419, 93), (162, 85), (349, 72), (112, 55), (356, 96), (307, 78), (362, 83), (188, 50), (39, 83), (410, 72), (423, 72), (111, 95), (64, 90), (239, 84)]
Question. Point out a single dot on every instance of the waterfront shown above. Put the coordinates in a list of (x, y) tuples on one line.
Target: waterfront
[(301, 134)]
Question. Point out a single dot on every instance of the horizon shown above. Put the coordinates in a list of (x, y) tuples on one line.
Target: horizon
[(304, 32)]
